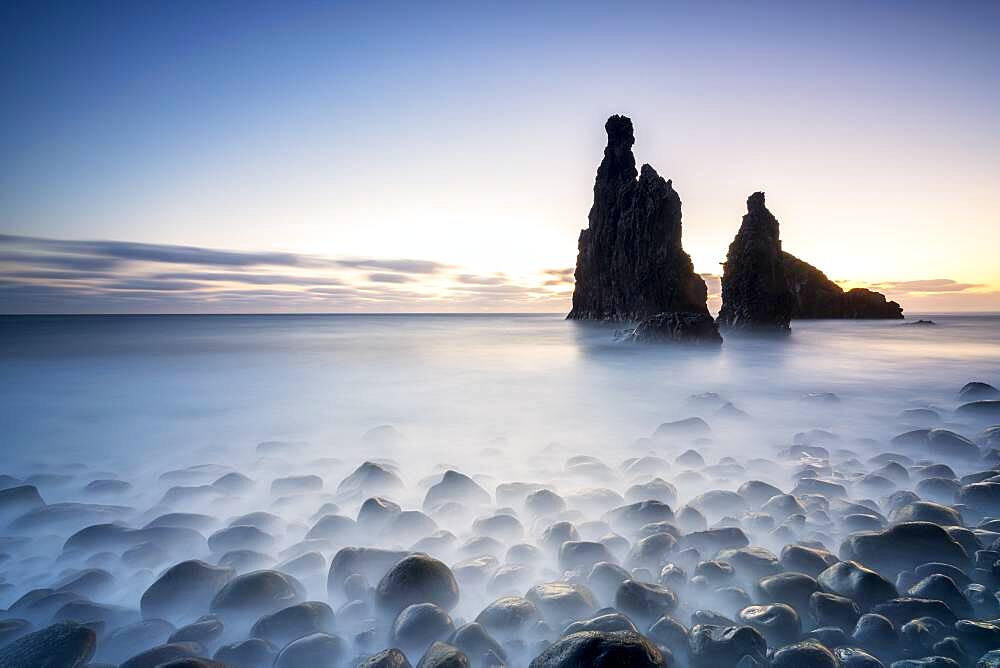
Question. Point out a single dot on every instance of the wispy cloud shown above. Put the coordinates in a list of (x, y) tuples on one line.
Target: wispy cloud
[(474, 279), (74, 254), (401, 266), (253, 279), (389, 278), (39, 275), (714, 284), (68, 262), (558, 277), (48, 250), (152, 285), (57, 275), (928, 285)]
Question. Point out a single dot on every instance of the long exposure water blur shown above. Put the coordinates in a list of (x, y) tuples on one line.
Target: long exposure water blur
[(131, 420)]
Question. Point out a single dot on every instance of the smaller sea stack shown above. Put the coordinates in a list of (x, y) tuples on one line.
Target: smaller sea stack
[(816, 296), (755, 293)]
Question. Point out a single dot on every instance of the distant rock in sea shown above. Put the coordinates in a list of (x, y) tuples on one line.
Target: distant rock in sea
[(816, 296), (631, 264), (755, 292)]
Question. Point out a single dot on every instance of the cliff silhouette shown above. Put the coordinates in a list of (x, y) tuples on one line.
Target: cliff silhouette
[(631, 265)]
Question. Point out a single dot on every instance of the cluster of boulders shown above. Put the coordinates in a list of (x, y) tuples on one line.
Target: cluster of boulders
[(631, 265), (816, 552)]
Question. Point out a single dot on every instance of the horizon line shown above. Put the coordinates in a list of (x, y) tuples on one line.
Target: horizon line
[(908, 316)]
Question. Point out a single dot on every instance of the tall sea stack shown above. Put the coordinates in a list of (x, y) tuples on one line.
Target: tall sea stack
[(631, 265), (755, 293)]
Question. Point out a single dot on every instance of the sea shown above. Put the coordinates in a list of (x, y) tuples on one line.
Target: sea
[(147, 421), (120, 392)]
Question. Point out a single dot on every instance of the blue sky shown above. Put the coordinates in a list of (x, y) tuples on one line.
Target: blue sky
[(467, 135)]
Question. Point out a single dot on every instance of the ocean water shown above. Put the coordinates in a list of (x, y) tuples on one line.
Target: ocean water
[(172, 390), (133, 420)]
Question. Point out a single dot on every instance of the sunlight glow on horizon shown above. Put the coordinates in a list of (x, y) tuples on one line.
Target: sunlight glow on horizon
[(470, 136)]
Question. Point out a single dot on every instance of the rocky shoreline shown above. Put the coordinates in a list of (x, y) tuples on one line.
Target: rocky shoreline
[(816, 551)]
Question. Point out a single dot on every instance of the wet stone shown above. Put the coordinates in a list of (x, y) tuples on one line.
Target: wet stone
[(476, 641), (833, 610), (711, 646), (66, 644), (372, 563), (317, 650), (562, 602), (126, 641), (183, 589), (583, 554), (204, 631), (161, 654), (455, 486), (419, 625), (852, 580), (509, 616), (418, 578), (251, 653), (855, 657), (610, 621), (777, 622), (443, 655), (876, 634), (601, 650), (294, 622), (258, 593), (643, 601), (389, 658)]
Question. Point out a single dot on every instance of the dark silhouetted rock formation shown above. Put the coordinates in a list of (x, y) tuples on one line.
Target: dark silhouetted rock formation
[(697, 328), (631, 264), (816, 296), (755, 294)]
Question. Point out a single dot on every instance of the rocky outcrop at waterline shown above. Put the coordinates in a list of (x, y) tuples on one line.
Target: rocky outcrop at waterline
[(816, 296), (695, 328), (763, 287), (631, 264), (755, 292)]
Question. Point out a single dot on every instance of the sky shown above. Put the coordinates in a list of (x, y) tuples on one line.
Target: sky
[(320, 156)]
